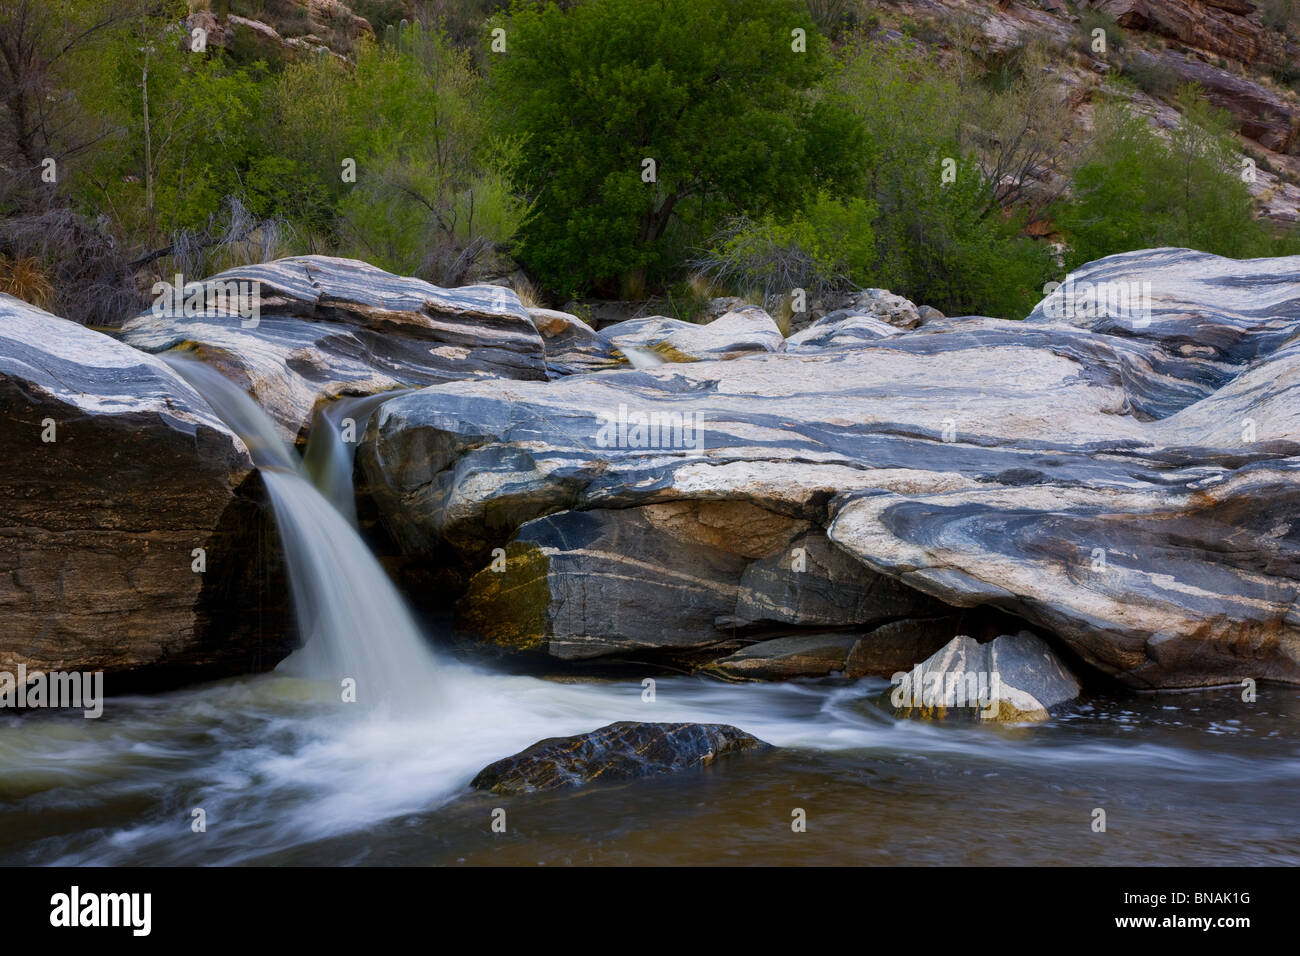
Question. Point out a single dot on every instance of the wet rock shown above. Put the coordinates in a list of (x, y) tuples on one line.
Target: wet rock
[(900, 645), (615, 753), (1011, 679), (327, 327), (589, 584), (786, 658), (115, 473)]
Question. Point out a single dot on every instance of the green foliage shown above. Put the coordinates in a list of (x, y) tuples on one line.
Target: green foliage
[(943, 243), (1137, 189), (429, 197), (829, 245), (710, 90)]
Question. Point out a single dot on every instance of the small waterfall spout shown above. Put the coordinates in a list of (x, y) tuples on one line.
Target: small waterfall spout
[(355, 626)]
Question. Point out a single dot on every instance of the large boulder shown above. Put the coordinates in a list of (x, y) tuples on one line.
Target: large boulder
[(116, 473), (1011, 679), (1122, 483), (587, 584), (326, 327), (613, 754)]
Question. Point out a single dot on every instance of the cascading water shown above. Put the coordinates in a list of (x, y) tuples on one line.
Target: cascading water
[(639, 357), (329, 455), (354, 624)]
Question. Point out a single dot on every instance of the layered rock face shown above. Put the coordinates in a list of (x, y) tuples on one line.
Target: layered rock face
[(115, 473), (326, 327), (1121, 477), (615, 753)]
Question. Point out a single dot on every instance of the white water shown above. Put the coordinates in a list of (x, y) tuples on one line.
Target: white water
[(639, 357), (329, 456)]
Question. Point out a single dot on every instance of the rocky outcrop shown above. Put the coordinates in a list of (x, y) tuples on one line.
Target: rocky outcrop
[(615, 753), (571, 345), (132, 534), (327, 327), (1121, 480), (1012, 679), (586, 584), (1262, 114), (1221, 27), (743, 331)]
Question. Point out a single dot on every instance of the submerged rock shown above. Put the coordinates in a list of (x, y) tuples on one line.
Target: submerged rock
[(133, 538), (326, 327), (1013, 678), (617, 752)]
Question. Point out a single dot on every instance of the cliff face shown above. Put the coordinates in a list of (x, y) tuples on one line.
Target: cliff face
[(1245, 59)]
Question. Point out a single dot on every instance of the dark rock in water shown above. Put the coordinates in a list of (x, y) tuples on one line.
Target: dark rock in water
[(327, 327), (785, 658), (622, 751), (115, 473), (1011, 679)]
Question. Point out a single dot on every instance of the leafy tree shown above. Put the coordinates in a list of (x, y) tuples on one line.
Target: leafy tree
[(941, 234), (1137, 188), (428, 198), (713, 92)]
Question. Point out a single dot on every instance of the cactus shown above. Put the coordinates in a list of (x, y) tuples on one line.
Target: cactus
[(390, 36)]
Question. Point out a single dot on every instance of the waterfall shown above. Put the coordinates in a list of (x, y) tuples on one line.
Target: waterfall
[(328, 458), (639, 357), (353, 622)]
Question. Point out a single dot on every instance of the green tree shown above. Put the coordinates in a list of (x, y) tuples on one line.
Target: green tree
[(1137, 188), (715, 93), (943, 237)]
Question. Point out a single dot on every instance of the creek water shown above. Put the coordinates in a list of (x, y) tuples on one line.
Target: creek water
[(287, 772)]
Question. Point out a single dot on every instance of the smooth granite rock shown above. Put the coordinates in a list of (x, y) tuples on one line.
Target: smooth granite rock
[(1128, 483), (328, 327)]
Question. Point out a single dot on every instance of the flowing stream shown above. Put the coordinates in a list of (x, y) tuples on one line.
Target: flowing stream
[(287, 771)]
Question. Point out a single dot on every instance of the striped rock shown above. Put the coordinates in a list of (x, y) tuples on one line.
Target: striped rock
[(115, 472), (572, 346), (328, 327), (740, 332), (1011, 679), (1127, 490)]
